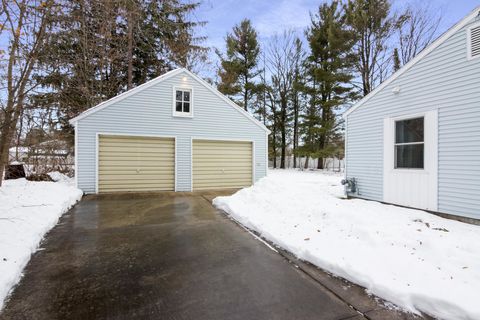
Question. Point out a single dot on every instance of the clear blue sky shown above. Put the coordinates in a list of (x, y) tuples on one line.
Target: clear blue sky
[(271, 16)]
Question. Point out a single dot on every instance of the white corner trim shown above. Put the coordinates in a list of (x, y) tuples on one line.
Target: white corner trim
[(266, 154), (96, 161), (174, 100), (75, 168), (124, 95), (469, 41), (191, 164), (175, 164), (444, 37)]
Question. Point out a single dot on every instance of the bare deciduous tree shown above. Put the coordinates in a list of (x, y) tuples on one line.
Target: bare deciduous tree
[(25, 27), (283, 57), (418, 27), (373, 24)]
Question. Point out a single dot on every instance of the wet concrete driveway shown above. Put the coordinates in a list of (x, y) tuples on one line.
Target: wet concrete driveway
[(163, 256)]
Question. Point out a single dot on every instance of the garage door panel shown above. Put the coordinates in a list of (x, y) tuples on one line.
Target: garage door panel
[(128, 170), (144, 161), (136, 164), (134, 149), (223, 185), (213, 171), (225, 157), (140, 187), (221, 164), (139, 177)]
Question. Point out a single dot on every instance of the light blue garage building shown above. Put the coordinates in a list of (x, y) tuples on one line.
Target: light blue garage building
[(415, 140), (173, 133)]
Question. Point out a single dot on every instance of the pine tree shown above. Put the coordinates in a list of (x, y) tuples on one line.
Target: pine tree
[(296, 97), (239, 67), (99, 49), (330, 63)]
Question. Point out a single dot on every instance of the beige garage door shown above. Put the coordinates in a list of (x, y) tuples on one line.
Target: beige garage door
[(221, 164), (127, 163)]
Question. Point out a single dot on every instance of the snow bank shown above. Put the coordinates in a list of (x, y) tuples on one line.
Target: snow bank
[(417, 260), (28, 210), (59, 177)]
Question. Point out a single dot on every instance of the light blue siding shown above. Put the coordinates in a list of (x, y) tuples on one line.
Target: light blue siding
[(444, 80), (149, 112)]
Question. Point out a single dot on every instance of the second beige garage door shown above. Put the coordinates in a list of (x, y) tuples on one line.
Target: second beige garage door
[(130, 163), (221, 164)]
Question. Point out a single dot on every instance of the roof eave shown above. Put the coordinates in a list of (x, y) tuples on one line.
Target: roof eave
[(444, 37)]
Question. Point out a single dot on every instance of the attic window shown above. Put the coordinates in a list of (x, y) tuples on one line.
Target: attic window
[(474, 41), (182, 102)]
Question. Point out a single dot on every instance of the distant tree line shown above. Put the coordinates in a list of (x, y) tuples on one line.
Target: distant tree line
[(298, 89), (61, 57)]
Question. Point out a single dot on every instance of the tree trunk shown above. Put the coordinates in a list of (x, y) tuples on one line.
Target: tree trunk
[(283, 132), (306, 162), (245, 92), (130, 50), (283, 151), (295, 130), (19, 137), (274, 150), (6, 136)]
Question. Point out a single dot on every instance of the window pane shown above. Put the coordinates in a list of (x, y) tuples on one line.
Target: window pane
[(178, 95), (186, 95), (178, 107), (186, 107), (409, 156), (410, 130)]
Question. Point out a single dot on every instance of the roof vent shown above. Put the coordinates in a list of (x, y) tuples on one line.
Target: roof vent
[(474, 37)]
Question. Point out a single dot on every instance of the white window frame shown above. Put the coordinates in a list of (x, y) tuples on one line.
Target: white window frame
[(174, 103), (469, 41), (395, 144)]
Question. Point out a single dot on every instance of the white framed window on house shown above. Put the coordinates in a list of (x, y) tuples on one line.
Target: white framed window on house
[(183, 102), (409, 143)]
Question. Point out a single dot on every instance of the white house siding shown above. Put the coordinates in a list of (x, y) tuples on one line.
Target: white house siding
[(149, 112), (443, 80)]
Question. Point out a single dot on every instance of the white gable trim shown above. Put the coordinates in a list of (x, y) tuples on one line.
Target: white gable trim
[(227, 100), (124, 95), (159, 79), (416, 59)]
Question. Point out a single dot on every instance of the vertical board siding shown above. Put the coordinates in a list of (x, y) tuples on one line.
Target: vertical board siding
[(149, 112), (444, 80)]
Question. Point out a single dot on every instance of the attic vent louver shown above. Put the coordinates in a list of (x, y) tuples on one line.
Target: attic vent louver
[(475, 42)]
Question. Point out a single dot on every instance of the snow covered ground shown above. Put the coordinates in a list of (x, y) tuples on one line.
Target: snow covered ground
[(28, 210), (416, 260)]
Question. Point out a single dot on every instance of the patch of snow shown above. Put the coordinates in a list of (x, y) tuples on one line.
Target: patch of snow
[(28, 210), (416, 260), (60, 177)]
